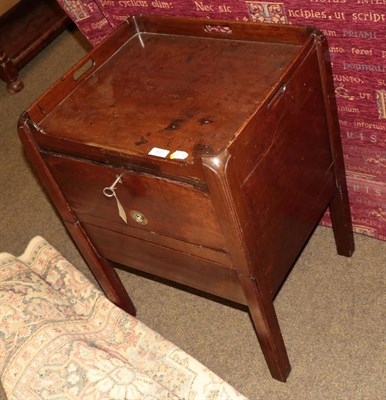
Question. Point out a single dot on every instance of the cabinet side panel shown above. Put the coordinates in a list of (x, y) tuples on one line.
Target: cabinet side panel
[(289, 179)]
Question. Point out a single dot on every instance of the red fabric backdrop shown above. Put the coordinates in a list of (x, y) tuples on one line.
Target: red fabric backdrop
[(356, 31)]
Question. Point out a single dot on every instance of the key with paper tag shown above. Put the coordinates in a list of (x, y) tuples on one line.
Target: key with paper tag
[(109, 191)]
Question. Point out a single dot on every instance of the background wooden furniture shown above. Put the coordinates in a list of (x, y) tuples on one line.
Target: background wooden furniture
[(204, 152), (25, 29)]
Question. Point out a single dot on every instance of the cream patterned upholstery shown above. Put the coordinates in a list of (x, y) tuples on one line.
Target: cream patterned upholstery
[(61, 338)]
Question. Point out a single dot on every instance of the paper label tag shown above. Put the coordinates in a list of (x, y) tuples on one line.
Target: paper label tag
[(178, 155), (156, 151), (121, 210)]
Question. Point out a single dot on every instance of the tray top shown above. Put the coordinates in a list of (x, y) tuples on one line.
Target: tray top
[(173, 92)]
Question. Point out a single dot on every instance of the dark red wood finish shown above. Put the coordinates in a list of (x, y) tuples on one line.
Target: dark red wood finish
[(254, 111)]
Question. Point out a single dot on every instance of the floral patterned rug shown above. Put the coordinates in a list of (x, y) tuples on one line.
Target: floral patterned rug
[(60, 338)]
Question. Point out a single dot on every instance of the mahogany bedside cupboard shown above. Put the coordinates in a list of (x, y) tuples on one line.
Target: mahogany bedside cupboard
[(204, 152)]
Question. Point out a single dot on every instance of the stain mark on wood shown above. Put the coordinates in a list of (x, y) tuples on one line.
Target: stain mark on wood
[(174, 124), (202, 149), (205, 121), (141, 141)]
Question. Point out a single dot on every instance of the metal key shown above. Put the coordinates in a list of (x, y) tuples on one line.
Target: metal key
[(109, 191)]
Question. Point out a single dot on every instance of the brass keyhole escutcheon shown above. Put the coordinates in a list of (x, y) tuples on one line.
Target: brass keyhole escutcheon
[(138, 217)]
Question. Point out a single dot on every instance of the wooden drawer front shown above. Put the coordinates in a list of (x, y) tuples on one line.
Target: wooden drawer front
[(169, 264), (171, 208)]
